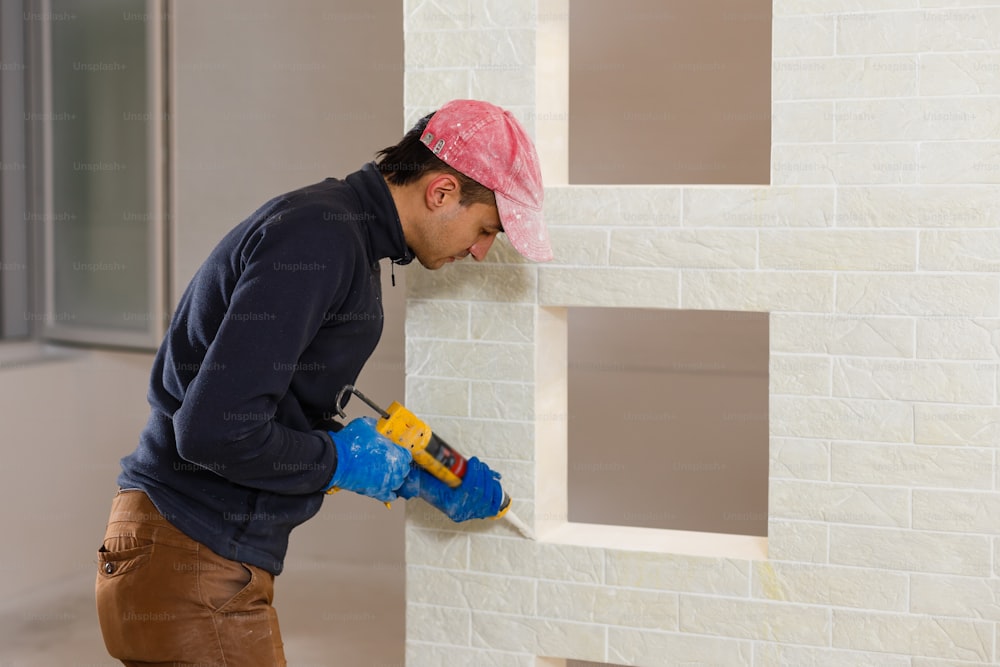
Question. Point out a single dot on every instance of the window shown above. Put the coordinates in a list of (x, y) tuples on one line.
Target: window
[(14, 241), (96, 126)]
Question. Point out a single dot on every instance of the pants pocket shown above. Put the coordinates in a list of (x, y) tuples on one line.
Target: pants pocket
[(240, 597), (163, 598), (115, 561), (229, 586), (147, 605), (119, 572), (225, 587)]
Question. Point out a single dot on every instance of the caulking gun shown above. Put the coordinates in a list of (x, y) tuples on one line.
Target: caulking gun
[(429, 451)]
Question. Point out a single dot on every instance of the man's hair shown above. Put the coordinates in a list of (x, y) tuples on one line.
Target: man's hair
[(410, 159)]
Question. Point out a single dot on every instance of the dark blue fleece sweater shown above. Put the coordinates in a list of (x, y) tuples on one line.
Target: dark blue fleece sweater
[(284, 312)]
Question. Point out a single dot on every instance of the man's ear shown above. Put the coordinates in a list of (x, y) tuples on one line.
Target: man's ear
[(441, 188)]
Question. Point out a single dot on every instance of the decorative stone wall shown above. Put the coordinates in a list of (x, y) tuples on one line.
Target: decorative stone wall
[(876, 251)]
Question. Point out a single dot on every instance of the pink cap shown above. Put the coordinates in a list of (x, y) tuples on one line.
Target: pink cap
[(487, 144)]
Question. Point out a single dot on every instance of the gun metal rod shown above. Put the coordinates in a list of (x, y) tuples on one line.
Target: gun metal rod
[(372, 404)]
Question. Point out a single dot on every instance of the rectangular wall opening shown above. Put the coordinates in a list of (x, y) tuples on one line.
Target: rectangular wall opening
[(674, 93), (668, 419)]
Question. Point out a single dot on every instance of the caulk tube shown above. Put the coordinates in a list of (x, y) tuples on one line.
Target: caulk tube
[(504, 511), (449, 458), (478, 496), (449, 500)]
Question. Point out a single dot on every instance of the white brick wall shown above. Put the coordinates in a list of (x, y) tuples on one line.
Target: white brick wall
[(876, 252)]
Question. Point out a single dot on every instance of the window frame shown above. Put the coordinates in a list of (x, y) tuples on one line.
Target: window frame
[(50, 324), (15, 274)]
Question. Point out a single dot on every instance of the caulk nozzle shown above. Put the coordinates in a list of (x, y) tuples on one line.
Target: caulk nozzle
[(521, 526)]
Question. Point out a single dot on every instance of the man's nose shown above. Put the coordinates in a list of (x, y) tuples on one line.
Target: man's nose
[(480, 248)]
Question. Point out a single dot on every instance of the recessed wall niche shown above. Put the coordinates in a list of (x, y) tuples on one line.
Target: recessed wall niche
[(669, 92), (668, 419)]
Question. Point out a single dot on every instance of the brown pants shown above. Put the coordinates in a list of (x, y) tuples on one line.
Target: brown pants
[(165, 599)]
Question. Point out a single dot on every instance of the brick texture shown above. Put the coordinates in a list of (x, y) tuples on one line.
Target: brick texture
[(875, 251)]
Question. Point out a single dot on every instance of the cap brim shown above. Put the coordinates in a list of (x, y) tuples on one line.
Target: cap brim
[(525, 229)]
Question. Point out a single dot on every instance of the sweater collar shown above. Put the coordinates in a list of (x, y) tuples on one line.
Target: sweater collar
[(385, 231)]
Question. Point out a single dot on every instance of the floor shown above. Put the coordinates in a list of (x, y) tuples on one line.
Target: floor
[(330, 615)]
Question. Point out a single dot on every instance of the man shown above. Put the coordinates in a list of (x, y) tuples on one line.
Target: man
[(240, 445)]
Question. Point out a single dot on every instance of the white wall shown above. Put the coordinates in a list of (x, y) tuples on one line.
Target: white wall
[(66, 422), (874, 250)]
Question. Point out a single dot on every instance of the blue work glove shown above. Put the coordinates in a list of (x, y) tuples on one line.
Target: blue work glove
[(367, 462), (478, 496)]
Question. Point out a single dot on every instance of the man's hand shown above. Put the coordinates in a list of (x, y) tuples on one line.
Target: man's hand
[(477, 497), (367, 462)]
